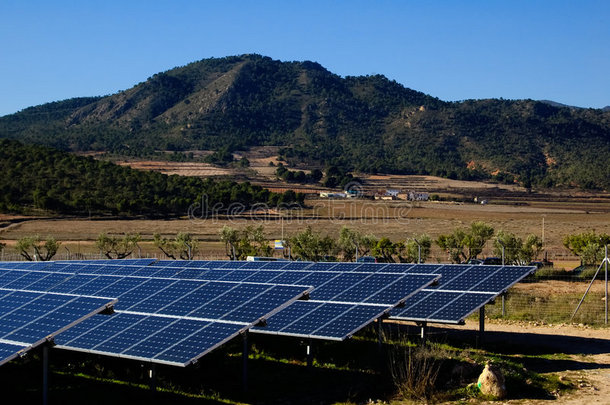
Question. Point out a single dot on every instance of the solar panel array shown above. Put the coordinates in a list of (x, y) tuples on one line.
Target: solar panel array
[(28, 319), (174, 312), (341, 303)]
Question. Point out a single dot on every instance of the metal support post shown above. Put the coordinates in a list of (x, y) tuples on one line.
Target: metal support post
[(604, 262), (606, 281), (481, 323), (503, 305), (423, 332), (152, 373), (379, 333), (45, 374), (309, 353), (245, 353)]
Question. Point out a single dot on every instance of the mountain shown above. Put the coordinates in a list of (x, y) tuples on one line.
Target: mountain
[(367, 124)]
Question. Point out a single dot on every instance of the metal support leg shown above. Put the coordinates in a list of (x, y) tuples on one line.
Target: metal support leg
[(481, 323), (503, 306), (424, 332), (245, 353), (45, 374), (153, 378), (379, 333), (309, 353)]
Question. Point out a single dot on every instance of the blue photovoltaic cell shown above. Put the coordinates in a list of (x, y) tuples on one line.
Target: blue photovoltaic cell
[(48, 281), (423, 304), (156, 302), (350, 321), (275, 265), (373, 284), (209, 337), (443, 306), (189, 273), (401, 289), (70, 283), (134, 333), (263, 276), (372, 267), (290, 277), (27, 319), (239, 275), (317, 278), (296, 266), (273, 298), (321, 320), (240, 294), (335, 286), (502, 278), (8, 276), (197, 298), (463, 306)]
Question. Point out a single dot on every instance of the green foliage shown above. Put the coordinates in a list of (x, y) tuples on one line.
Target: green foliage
[(221, 157), (35, 177), (410, 250), (310, 245), (385, 250), (516, 250), (117, 247), (367, 124), (350, 240), (184, 246), (251, 241), (589, 246), (298, 176), (33, 248), (463, 245)]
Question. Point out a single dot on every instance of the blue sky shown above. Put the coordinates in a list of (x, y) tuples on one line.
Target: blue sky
[(454, 50)]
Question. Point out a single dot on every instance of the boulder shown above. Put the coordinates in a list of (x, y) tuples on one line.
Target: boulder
[(491, 382)]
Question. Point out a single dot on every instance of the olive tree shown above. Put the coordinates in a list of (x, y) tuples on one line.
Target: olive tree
[(35, 248), (117, 247), (184, 246)]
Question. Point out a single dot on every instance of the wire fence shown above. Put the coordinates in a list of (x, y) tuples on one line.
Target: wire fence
[(552, 298)]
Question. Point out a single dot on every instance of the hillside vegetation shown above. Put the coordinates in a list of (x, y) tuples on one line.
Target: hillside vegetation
[(36, 177), (367, 124)]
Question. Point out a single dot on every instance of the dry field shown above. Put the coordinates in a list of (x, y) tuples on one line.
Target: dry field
[(397, 220)]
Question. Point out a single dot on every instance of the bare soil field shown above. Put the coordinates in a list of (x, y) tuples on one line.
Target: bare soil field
[(180, 168)]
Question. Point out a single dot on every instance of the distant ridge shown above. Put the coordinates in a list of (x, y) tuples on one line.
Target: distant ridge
[(556, 104), (365, 124)]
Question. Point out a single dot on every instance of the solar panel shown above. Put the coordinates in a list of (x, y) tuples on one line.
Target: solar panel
[(321, 320), (175, 341), (28, 319), (462, 290), (189, 317)]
